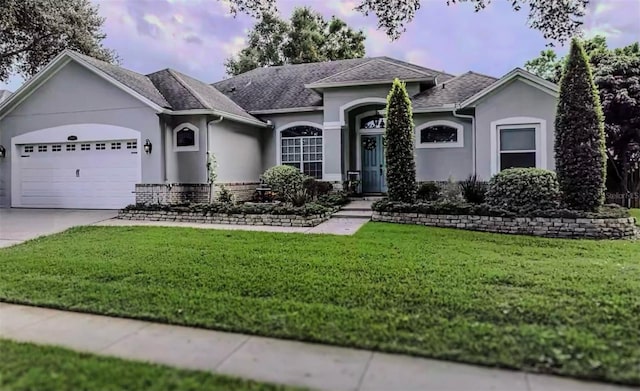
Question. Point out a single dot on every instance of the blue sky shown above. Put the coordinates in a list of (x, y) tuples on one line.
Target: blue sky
[(196, 36)]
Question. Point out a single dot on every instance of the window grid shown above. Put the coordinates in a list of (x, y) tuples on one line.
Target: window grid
[(42, 148), (132, 145), (116, 145), (438, 134), (56, 148), (28, 148), (101, 146), (71, 147), (304, 153), (85, 147)]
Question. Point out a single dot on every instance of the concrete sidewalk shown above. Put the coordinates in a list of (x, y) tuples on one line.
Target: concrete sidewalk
[(265, 359), (331, 226)]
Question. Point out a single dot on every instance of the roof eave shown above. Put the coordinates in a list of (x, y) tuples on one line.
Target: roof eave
[(436, 109), (287, 110), (231, 116)]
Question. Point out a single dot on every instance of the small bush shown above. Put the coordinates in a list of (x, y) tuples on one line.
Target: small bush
[(285, 181), (299, 198), (334, 199), (524, 189), (248, 208), (428, 191), (323, 188), (450, 192), (225, 196), (474, 190)]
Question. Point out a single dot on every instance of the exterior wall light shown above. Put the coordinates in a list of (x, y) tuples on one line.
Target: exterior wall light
[(3, 152), (148, 146)]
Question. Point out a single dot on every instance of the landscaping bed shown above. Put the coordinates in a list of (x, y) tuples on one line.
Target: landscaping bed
[(567, 307), (308, 215), (46, 368), (611, 222)]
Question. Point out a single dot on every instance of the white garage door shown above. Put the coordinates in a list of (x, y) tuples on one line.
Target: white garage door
[(84, 175)]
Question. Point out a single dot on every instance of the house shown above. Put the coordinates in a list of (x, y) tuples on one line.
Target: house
[(86, 134)]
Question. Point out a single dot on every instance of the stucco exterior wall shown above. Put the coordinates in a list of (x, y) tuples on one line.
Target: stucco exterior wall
[(270, 136), (186, 166), (238, 151), (75, 95), (517, 99), (438, 164)]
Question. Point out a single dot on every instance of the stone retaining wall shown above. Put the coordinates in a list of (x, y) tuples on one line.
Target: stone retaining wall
[(622, 228), (218, 218)]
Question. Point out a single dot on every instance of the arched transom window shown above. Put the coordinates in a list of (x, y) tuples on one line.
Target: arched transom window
[(301, 147), (185, 137), (372, 122), (439, 134)]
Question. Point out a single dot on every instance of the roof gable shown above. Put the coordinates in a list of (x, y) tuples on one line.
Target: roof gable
[(516, 74)]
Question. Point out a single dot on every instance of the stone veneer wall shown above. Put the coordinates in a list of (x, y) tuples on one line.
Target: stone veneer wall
[(622, 228), (198, 193), (218, 218)]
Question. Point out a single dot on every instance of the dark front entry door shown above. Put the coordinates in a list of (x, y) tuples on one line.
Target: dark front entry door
[(373, 164)]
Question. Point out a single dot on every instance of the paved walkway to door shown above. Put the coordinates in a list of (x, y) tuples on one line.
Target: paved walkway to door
[(18, 225), (266, 359)]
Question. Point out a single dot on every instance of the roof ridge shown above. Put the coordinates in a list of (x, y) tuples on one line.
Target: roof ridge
[(176, 75), (485, 75), (384, 59), (341, 72)]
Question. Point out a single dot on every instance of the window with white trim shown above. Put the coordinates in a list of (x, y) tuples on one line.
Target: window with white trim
[(71, 147), (101, 146), (132, 145), (440, 134), (516, 146), (116, 145), (28, 148), (185, 138), (42, 148), (85, 147), (301, 147), (56, 148)]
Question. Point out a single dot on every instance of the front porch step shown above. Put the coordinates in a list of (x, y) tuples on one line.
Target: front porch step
[(367, 198), (358, 205), (352, 214)]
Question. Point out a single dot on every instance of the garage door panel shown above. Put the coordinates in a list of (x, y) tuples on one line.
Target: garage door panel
[(98, 177)]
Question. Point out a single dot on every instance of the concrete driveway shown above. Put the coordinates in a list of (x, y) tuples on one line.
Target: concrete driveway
[(18, 225)]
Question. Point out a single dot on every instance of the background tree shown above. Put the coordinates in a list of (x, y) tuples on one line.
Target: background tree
[(399, 146), (580, 143), (616, 73), (307, 37), (557, 20), (32, 32)]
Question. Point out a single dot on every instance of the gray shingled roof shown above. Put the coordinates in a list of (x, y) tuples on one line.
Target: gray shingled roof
[(452, 91), (137, 82), (283, 87), (211, 97), (178, 96), (5, 94), (376, 69)]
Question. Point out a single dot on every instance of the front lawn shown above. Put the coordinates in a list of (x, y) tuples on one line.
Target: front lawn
[(32, 367), (563, 306)]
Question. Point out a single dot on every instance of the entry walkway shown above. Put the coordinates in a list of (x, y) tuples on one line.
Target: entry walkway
[(265, 359)]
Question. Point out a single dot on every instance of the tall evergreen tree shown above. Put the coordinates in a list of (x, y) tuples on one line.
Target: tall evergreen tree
[(399, 146), (580, 141)]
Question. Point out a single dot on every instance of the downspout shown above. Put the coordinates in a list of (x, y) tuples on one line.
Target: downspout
[(473, 135)]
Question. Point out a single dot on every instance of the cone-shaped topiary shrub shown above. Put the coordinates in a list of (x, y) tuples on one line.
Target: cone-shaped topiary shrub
[(401, 166), (580, 142)]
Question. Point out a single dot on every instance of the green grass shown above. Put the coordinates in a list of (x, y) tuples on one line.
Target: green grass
[(635, 213), (32, 367), (563, 306)]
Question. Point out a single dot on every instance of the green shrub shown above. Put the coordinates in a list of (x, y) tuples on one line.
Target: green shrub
[(323, 188), (224, 195), (307, 209), (399, 146), (524, 189), (474, 190), (580, 140), (428, 191), (285, 181), (450, 191), (316, 188), (334, 199), (300, 197)]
